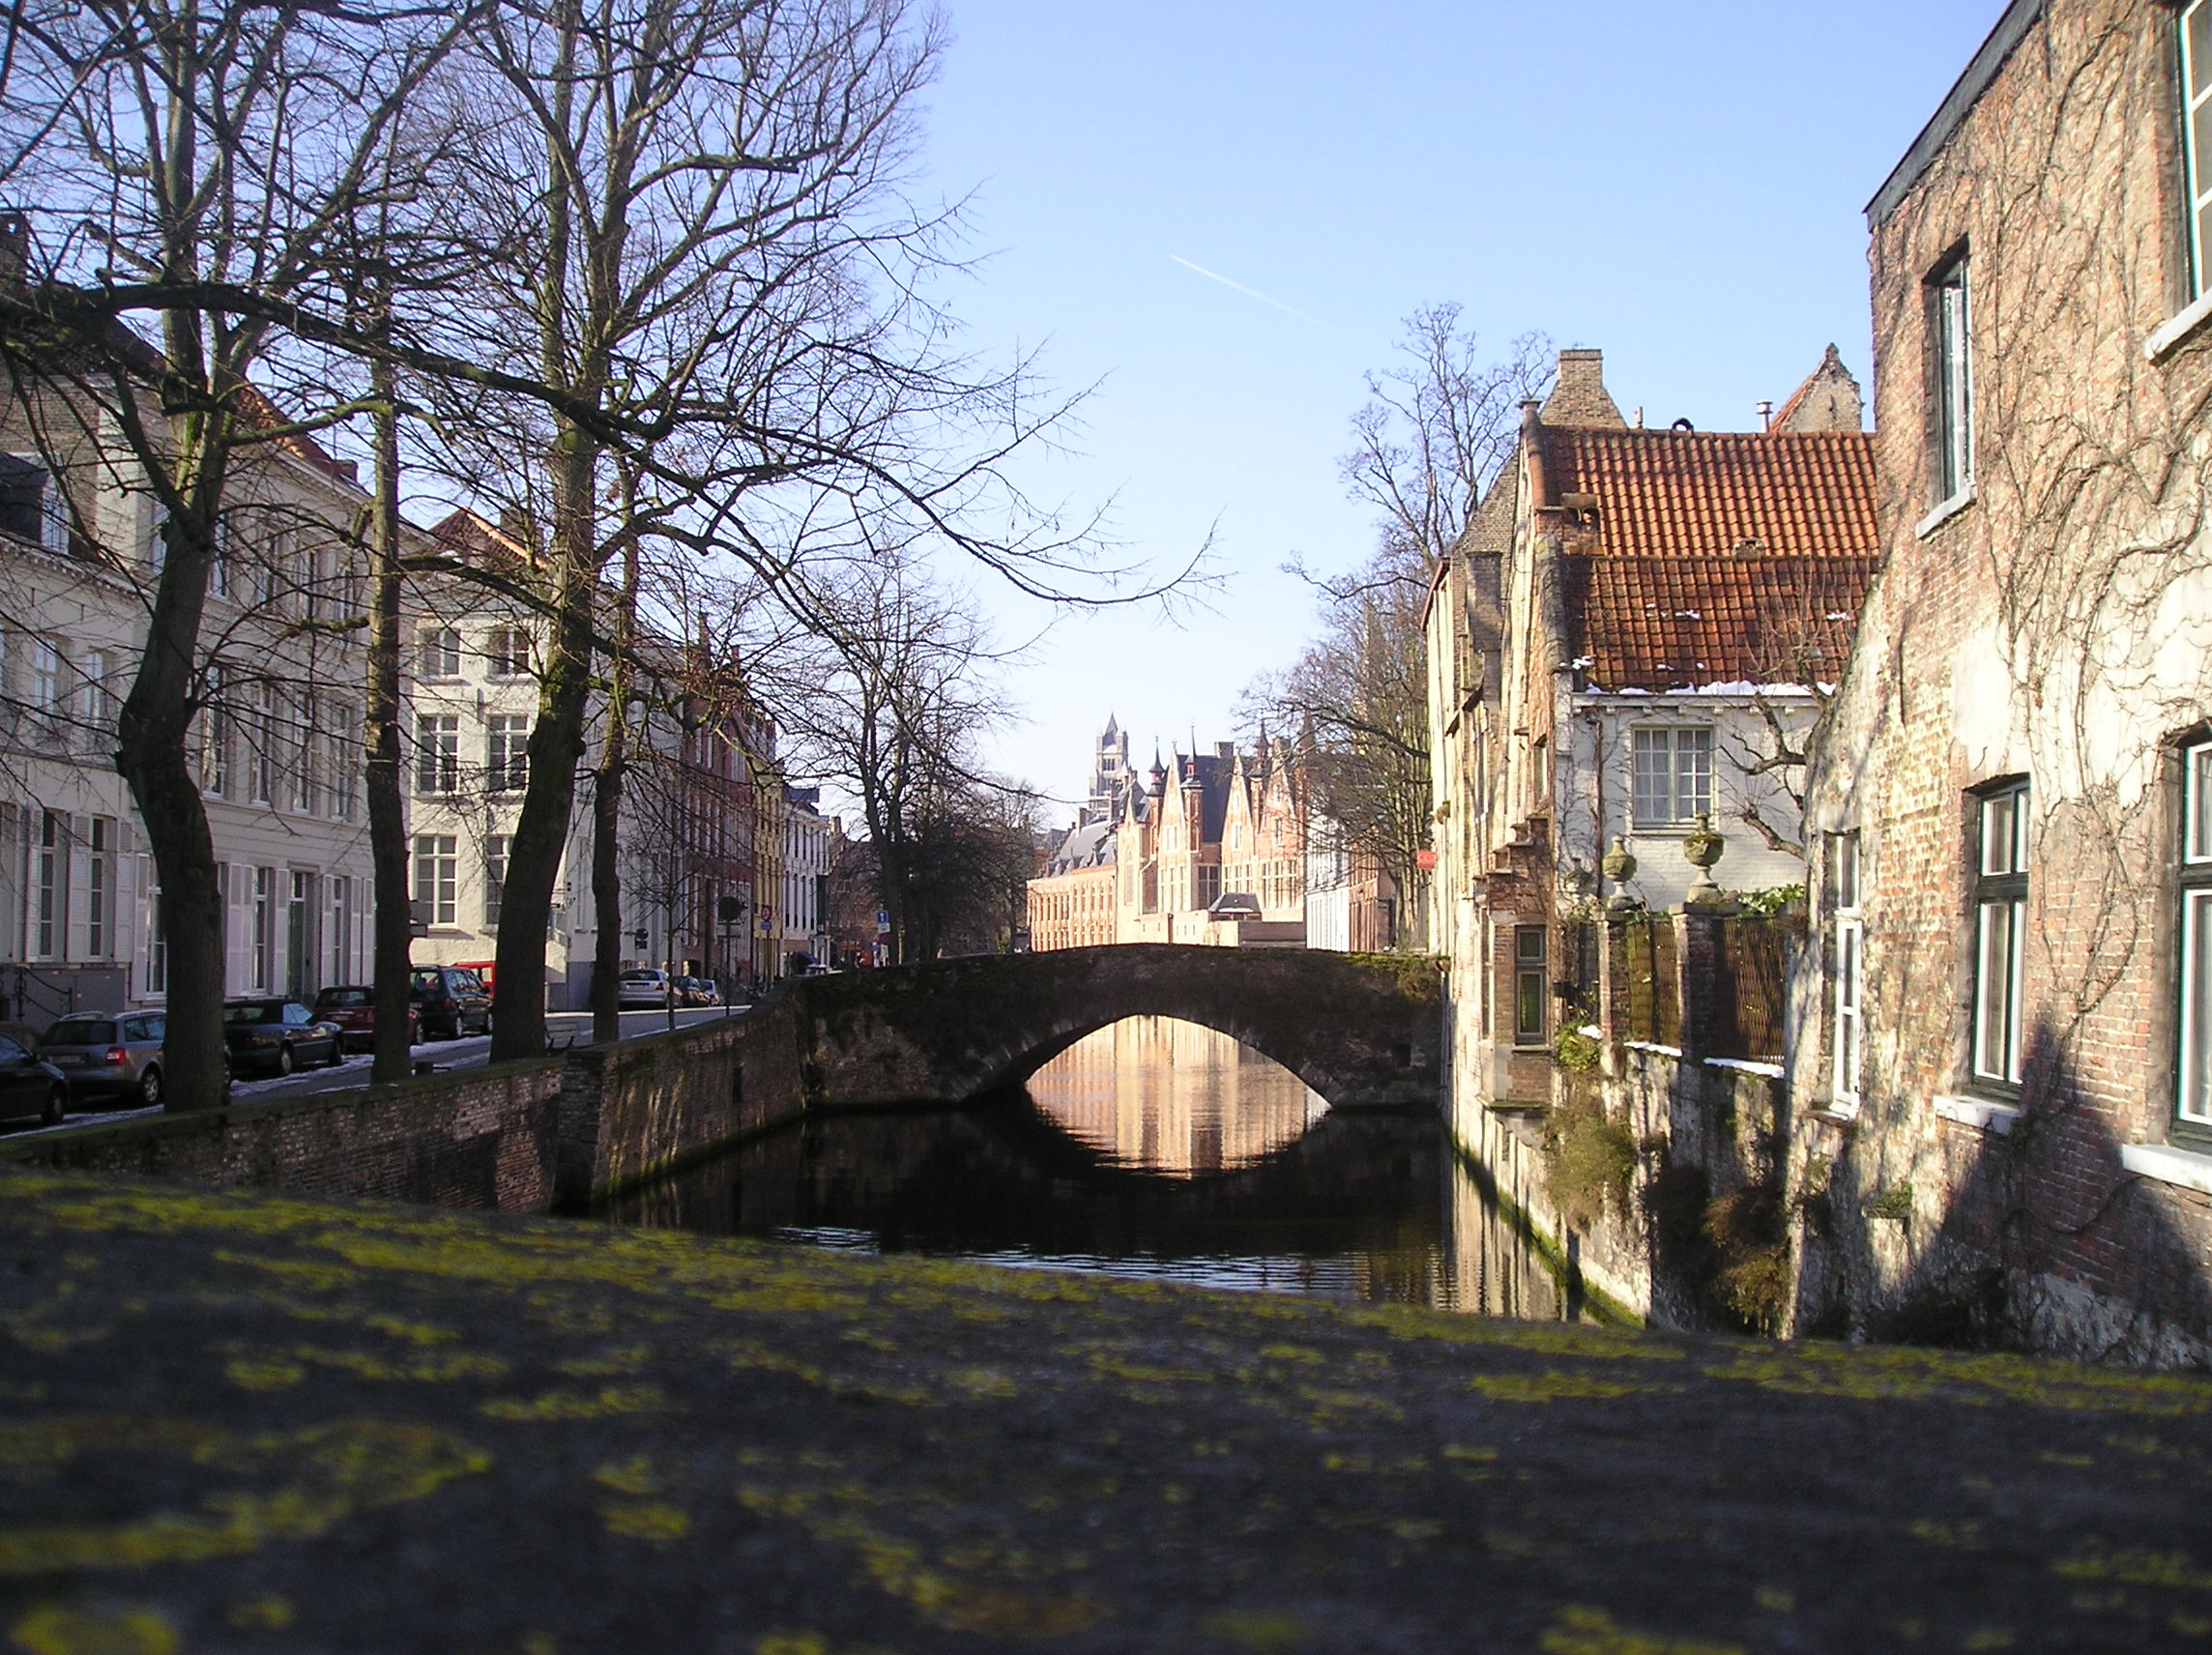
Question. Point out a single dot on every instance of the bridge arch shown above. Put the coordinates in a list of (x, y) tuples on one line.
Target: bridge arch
[(1361, 1030)]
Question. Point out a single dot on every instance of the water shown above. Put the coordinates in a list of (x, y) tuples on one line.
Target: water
[(1152, 1148)]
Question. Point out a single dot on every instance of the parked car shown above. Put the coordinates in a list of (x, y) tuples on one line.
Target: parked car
[(110, 1057), (449, 1001), (276, 1035), (645, 987), (698, 991), (352, 1008), (29, 1086)]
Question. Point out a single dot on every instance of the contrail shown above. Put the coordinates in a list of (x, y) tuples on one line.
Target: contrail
[(1246, 291)]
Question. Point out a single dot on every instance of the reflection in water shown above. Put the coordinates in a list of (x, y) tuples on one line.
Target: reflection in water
[(1172, 1097), (1141, 1157)]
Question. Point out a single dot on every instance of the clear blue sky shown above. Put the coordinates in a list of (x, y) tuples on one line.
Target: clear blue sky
[(1679, 185)]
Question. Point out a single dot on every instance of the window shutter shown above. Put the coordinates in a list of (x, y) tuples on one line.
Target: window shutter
[(76, 894)]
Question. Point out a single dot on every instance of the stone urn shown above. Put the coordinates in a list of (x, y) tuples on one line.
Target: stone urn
[(1702, 848), (1619, 866)]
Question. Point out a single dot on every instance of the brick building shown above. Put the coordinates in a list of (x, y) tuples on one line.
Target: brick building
[(1210, 850), (2002, 1059), (1627, 640)]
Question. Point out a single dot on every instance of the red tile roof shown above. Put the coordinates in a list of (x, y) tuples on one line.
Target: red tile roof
[(1669, 622), (1700, 494), (1714, 557)]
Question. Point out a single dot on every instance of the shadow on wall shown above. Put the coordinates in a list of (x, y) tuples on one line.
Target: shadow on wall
[(2020, 1232)]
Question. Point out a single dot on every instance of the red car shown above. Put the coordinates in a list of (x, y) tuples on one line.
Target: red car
[(354, 1010)]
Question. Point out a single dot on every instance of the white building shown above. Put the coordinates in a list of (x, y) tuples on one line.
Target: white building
[(281, 761), (806, 873)]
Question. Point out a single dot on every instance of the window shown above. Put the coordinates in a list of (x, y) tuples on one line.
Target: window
[(306, 758), (2196, 133), (52, 878), (2194, 1104), (507, 652), (437, 752), (265, 753), (215, 739), (1954, 381), (339, 939), (1851, 964), (438, 653), (1532, 986), (507, 764), (2000, 915), (100, 889), (1673, 776), (156, 931), (264, 932), (46, 678), (300, 935), (31, 507), (494, 877), (436, 859), (100, 669)]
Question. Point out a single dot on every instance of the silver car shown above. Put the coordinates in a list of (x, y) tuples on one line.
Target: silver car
[(110, 1059)]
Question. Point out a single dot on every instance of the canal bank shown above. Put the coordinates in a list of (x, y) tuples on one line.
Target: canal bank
[(242, 1421)]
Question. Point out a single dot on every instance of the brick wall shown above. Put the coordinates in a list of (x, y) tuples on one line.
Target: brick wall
[(2044, 628), (480, 1138)]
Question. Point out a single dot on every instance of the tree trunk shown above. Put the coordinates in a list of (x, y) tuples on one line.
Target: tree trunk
[(395, 932), (606, 823), (151, 752), (556, 748)]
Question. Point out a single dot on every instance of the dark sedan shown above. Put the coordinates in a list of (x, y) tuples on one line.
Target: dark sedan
[(279, 1035), (354, 1010), (29, 1087)]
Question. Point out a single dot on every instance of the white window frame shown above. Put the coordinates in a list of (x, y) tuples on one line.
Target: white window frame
[(506, 752), (437, 870), (507, 652), (1843, 874), (100, 889), (497, 846), (437, 753), (1951, 318), (2193, 36), (2193, 1099), (49, 885), (1651, 744), (438, 653), (1999, 935)]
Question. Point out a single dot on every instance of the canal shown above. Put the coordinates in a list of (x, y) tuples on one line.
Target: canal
[(1153, 1148)]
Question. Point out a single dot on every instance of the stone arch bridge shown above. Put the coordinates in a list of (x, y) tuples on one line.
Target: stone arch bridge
[(1362, 1031)]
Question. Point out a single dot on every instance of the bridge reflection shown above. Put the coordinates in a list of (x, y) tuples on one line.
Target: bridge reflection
[(1172, 1097), (1154, 1153)]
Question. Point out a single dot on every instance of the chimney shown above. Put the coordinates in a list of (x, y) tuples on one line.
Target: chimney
[(1533, 455), (1578, 396)]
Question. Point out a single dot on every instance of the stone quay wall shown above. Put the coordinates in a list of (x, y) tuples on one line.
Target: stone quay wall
[(548, 1133), (476, 1138)]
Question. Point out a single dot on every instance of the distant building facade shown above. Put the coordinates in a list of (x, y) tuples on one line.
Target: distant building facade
[(1209, 850)]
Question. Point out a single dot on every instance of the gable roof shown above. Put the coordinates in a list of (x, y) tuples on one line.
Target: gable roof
[(1713, 494), (1666, 622)]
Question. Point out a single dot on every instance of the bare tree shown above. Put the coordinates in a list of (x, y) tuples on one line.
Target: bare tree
[(1438, 426), (177, 148), (890, 717)]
